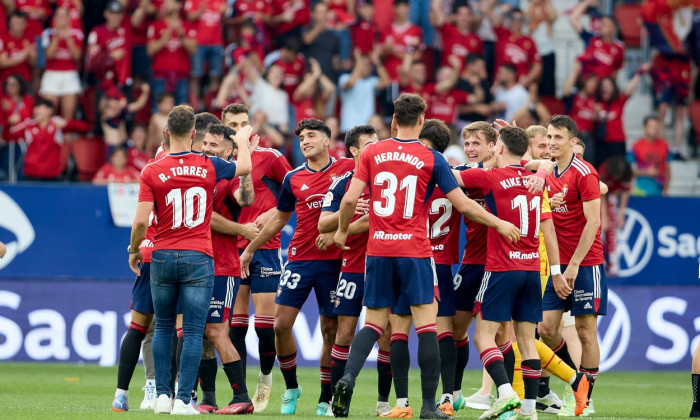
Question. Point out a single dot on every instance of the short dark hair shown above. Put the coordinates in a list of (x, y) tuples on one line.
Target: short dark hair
[(408, 108), (515, 140), (474, 57), (23, 88), (181, 120), (116, 150), (581, 143), (397, 2), (292, 44), (221, 130), (352, 137), (564, 121), (161, 96), (458, 4), (437, 133), (43, 102), (234, 109), (202, 122), (649, 118), (312, 124), (510, 67), (18, 14)]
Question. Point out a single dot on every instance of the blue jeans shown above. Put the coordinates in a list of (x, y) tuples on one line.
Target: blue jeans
[(214, 54), (188, 276), (419, 14), (182, 89)]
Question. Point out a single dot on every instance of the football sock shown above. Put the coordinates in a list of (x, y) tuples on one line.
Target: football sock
[(531, 370), (448, 361), (429, 363), (518, 384), (400, 363), (563, 352), (553, 364), (288, 366), (326, 390), (695, 380), (461, 364), (236, 377), (266, 342), (543, 389), (594, 374), (339, 358), (236, 333), (508, 359), (492, 359), (129, 354), (384, 376), (207, 380), (361, 346)]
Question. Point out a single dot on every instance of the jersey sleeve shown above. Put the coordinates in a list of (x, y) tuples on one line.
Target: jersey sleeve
[(589, 187), (331, 202), (362, 172), (224, 169), (474, 179), (442, 174), (279, 168), (145, 188), (233, 185), (287, 200), (546, 207)]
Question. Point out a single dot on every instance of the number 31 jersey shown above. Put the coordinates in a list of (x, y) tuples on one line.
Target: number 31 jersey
[(401, 175), (181, 187)]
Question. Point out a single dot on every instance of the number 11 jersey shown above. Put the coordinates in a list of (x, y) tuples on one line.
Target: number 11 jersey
[(401, 175)]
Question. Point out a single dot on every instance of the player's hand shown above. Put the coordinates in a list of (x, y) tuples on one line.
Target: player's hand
[(245, 259), (251, 231), (556, 200), (254, 142), (263, 218), (324, 240), (242, 136), (535, 184), (509, 231), (561, 286), (134, 261), (3, 249), (499, 124), (570, 274), (340, 238), (362, 207)]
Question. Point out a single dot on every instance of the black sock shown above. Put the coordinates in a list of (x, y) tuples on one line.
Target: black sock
[(429, 363), (339, 358), (462, 360), (361, 346), (400, 363), (129, 355), (448, 362), (531, 370), (326, 390), (695, 410), (492, 359), (563, 352), (236, 377), (236, 333), (544, 387), (288, 366), (207, 380), (594, 374), (384, 376), (266, 342), (508, 360)]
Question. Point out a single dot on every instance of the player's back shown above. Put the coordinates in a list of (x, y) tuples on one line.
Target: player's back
[(226, 260), (443, 225), (402, 175)]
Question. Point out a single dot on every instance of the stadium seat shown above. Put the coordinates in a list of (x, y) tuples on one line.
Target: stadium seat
[(628, 17), (554, 105), (695, 118), (89, 155)]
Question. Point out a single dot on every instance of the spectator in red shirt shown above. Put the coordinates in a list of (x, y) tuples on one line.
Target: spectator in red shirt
[(401, 38), (37, 12), (75, 12), (412, 75), (116, 170), (114, 110), (142, 13), (109, 47), (137, 155), (671, 76), (248, 47), (605, 54), (171, 42), (475, 81), (517, 49), (292, 64), (44, 138), (364, 31), (17, 49), (443, 98), (458, 39), (207, 16), (287, 19), (581, 106), (616, 174), (649, 158), (337, 147), (15, 103), (313, 93), (61, 81)]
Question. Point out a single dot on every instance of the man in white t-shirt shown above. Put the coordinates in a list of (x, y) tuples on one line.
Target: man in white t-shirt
[(358, 90), (509, 96)]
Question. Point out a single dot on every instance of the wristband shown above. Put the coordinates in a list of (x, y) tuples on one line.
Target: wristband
[(128, 249), (555, 270), (541, 173)]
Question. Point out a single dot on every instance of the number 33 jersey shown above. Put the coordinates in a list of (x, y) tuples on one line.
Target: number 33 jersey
[(181, 187), (401, 175)]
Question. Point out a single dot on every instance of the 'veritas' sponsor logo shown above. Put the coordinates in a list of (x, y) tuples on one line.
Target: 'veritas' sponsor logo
[(517, 255), (383, 236), (315, 201)]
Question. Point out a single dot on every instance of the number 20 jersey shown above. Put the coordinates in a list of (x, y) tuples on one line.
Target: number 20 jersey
[(401, 175), (181, 187)]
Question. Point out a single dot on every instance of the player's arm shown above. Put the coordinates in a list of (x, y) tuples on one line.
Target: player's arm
[(542, 169), (603, 188), (591, 211), (245, 194), (222, 225), (562, 288), (138, 232), (475, 212), (273, 226), (346, 211)]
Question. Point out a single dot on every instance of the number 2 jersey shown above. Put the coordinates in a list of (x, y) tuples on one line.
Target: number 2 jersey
[(507, 197), (402, 175), (181, 188), (303, 190)]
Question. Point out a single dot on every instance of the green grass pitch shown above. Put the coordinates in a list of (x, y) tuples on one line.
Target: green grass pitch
[(71, 391)]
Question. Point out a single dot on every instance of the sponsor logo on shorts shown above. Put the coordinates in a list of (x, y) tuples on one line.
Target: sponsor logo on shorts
[(215, 314), (279, 291), (517, 255), (582, 296), (269, 272), (337, 303), (333, 299), (383, 236), (587, 305)]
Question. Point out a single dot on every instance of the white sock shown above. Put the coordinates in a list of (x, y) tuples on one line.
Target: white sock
[(122, 392), (456, 395), (573, 379), (266, 379), (402, 402), (527, 406), (446, 398), (505, 390)]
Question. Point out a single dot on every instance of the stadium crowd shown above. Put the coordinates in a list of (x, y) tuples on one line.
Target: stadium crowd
[(110, 71)]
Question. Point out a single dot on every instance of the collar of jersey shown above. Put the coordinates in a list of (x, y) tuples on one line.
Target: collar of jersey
[(330, 162), (405, 141), (556, 172), (179, 153)]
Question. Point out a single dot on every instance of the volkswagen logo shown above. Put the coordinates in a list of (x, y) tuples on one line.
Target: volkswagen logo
[(614, 332), (635, 244)]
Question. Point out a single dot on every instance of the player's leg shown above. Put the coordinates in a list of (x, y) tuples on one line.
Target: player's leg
[(384, 374), (446, 341), (264, 304), (240, 320), (695, 380), (341, 346), (504, 340), (348, 307), (285, 344), (329, 328), (577, 380), (530, 365), (207, 375), (549, 328), (400, 359), (149, 389), (569, 334)]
